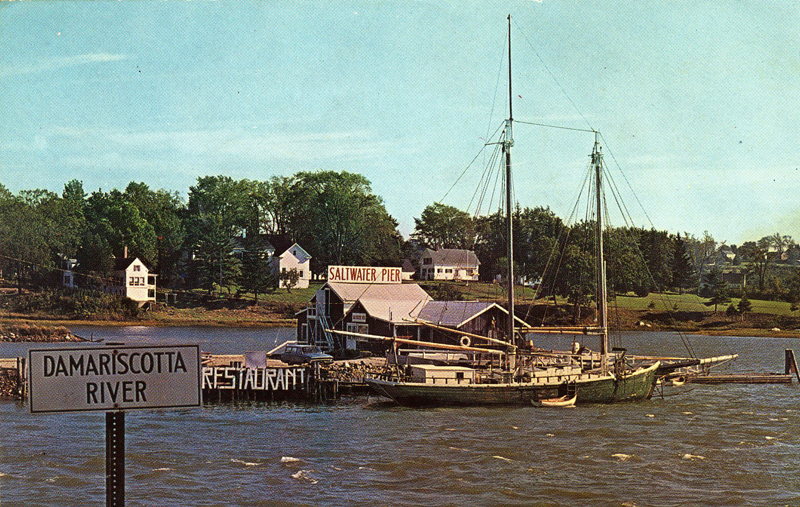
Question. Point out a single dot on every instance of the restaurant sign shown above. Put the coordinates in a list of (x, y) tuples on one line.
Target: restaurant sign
[(114, 378), (364, 274)]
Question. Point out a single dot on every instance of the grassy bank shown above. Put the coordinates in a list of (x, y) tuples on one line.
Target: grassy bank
[(684, 312)]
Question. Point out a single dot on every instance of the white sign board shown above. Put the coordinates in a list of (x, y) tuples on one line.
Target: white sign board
[(114, 378), (364, 274)]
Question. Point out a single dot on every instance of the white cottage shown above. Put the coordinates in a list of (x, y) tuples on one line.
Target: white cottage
[(132, 279), (287, 255)]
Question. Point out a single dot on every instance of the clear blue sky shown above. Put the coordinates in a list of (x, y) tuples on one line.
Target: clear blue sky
[(698, 100)]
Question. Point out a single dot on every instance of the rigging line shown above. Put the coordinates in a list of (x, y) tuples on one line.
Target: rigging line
[(561, 127), (468, 166), (492, 174), (524, 36), (626, 179), (626, 214), (627, 219), (485, 181), (558, 251), (630, 223), (496, 88), (629, 233), (498, 182)]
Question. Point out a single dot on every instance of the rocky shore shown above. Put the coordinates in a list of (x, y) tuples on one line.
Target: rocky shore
[(24, 332)]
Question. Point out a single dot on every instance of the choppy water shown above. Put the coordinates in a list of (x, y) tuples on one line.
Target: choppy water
[(700, 445)]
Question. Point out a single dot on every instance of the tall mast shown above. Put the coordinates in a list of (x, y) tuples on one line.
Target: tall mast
[(507, 144), (602, 306)]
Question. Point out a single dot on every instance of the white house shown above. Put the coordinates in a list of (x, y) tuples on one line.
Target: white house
[(288, 255), (68, 267), (132, 279), (448, 264), (407, 270)]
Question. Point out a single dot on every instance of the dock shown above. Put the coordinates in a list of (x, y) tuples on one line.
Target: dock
[(744, 378)]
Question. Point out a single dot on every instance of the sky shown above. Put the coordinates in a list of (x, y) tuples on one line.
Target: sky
[(698, 102)]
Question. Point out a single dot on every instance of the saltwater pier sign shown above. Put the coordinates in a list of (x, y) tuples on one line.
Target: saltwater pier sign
[(114, 378), (364, 274)]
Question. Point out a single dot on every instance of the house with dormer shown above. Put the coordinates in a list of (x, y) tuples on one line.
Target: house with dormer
[(132, 279)]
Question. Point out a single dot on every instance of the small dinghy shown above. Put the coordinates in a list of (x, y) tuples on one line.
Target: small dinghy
[(564, 401)]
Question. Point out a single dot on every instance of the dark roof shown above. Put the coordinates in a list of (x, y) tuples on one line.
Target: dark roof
[(122, 263), (281, 242), (453, 313), (453, 257)]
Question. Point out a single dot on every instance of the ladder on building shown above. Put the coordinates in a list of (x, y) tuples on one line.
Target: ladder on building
[(324, 325)]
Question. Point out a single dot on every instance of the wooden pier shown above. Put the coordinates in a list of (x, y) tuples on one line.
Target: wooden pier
[(787, 377), (744, 378)]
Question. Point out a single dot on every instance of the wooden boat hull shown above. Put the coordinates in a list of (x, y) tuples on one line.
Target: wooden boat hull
[(638, 385)]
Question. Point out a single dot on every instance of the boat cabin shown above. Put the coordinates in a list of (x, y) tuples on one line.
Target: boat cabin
[(444, 375)]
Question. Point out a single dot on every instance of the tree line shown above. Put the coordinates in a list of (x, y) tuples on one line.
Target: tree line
[(560, 258), (336, 217)]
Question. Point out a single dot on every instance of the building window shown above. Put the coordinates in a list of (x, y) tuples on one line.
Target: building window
[(357, 328), (427, 260), (136, 267), (300, 274), (359, 317)]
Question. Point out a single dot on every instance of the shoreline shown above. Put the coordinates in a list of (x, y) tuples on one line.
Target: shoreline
[(220, 322)]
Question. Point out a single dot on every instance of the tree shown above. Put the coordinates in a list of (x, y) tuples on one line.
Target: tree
[(163, 210), (717, 290), (216, 214), (443, 226), (289, 278), (683, 276), (277, 198), (627, 269), (26, 236), (745, 306), (657, 250), (780, 244), (338, 220), (113, 223), (536, 233), (256, 274), (701, 251), (758, 255)]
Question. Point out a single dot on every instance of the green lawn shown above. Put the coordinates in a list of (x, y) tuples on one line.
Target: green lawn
[(695, 303), (662, 302), (492, 292)]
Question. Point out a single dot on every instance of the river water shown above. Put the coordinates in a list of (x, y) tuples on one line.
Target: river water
[(697, 445)]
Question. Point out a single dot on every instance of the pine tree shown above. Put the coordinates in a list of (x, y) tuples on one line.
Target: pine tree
[(683, 274), (745, 306), (719, 290)]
